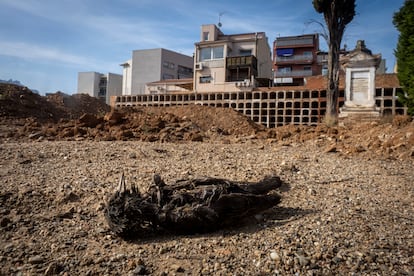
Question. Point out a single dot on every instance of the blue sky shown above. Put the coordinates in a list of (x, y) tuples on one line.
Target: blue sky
[(45, 43)]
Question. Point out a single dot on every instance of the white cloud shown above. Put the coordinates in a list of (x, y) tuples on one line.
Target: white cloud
[(47, 9), (136, 29), (29, 51)]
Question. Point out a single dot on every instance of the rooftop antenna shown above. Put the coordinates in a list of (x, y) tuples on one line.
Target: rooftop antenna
[(219, 23)]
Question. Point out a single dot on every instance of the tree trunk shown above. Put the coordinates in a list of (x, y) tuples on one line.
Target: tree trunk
[(331, 115), (335, 38)]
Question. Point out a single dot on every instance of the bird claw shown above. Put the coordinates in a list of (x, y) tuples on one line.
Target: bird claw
[(121, 186)]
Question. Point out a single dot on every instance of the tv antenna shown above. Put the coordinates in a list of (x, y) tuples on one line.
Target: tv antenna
[(219, 23)]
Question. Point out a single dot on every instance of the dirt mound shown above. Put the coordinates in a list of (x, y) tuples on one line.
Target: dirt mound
[(74, 106), (189, 123), (221, 120), (20, 102), (27, 116), (394, 139)]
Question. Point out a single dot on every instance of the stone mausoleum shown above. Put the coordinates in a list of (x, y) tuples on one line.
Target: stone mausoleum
[(360, 66)]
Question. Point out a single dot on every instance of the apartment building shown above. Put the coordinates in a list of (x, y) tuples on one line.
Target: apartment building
[(237, 62), (295, 58), (153, 65), (98, 85)]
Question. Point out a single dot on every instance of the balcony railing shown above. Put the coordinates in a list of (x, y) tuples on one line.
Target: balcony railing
[(294, 42), (250, 61), (213, 63), (296, 73), (295, 58)]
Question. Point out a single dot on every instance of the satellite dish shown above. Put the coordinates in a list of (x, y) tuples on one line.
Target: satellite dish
[(219, 24)]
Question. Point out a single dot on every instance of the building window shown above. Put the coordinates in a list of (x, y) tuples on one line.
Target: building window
[(184, 72), (307, 68), (168, 65), (284, 69), (307, 53), (206, 36), (205, 54), (103, 81), (245, 52), (324, 70), (205, 79), (218, 52), (211, 53), (102, 92)]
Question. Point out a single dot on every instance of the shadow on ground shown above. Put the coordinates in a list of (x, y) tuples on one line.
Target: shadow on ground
[(274, 217)]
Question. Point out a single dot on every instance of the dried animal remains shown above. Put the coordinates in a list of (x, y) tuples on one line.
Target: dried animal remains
[(187, 206)]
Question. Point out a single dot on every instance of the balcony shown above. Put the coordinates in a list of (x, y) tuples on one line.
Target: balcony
[(294, 42), (242, 61), (303, 59), (295, 73), (241, 67), (213, 63)]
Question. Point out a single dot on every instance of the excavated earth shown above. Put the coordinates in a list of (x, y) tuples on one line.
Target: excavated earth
[(347, 202)]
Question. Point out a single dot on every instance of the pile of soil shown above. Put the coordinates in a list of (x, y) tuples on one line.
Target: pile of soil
[(74, 106), (27, 116), (18, 102)]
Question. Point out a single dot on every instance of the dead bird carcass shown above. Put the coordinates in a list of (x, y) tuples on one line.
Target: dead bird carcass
[(187, 206)]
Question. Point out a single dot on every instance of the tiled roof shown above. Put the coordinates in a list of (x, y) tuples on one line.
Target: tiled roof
[(320, 83), (312, 83)]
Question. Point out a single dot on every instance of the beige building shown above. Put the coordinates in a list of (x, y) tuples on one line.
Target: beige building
[(236, 62), (154, 65)]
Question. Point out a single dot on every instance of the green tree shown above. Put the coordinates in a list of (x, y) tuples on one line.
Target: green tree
[(404, 21), (337, 14)]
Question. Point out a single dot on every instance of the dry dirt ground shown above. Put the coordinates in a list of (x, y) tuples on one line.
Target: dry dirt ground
[(347, 202)]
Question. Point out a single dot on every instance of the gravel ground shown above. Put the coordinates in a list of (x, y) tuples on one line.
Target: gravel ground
[(339, 215)]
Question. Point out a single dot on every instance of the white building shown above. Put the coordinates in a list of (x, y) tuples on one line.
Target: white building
[(101, 86), (153, 65)]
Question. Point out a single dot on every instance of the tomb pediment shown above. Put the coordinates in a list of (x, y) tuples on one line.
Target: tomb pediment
[(361, 56)]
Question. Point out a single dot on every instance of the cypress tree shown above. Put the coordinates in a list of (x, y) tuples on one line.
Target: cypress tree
[(404, 21)]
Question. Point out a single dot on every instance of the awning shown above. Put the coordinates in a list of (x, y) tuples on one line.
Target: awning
[(284, 52)]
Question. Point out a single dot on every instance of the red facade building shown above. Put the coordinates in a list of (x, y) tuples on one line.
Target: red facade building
[(295, 58)]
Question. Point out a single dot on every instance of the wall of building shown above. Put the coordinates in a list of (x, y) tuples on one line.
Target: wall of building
[(170, 63), (145, 67), (114, 86), (264, 55), (101, 86), (152, 65), (88, 83)]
